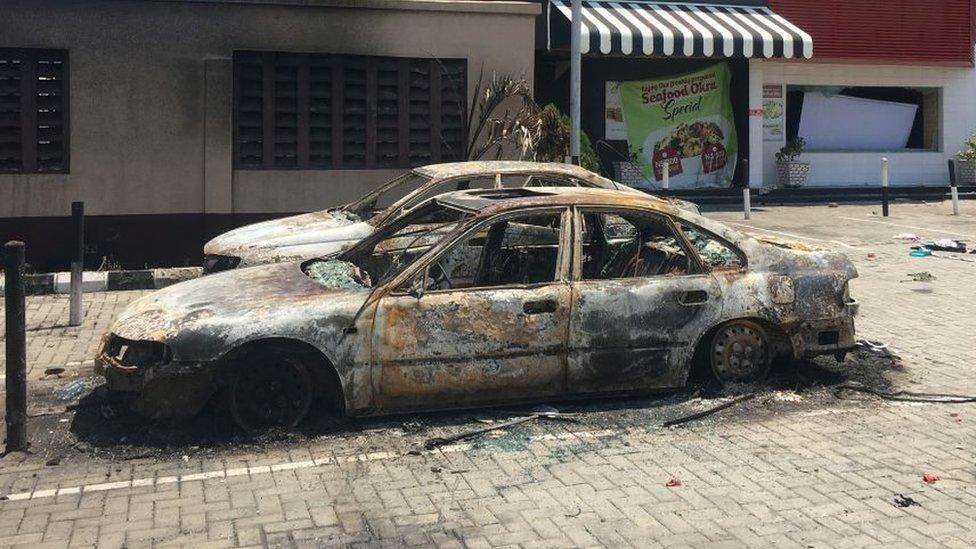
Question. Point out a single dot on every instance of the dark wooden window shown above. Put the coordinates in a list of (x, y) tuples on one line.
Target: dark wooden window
[(326, 111), (33, 111)]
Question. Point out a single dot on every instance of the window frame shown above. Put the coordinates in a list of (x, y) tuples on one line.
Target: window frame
[(369, 65), (28, 123), (743, 258), (697, 267), (421, 266)]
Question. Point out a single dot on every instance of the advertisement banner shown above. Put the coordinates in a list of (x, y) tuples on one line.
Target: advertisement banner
[(686, 122)]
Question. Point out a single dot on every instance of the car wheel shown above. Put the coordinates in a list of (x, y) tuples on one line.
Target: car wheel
[(269, 391), (739, 352)]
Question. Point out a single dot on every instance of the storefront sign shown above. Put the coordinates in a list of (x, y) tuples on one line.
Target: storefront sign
[(774, 113), (685, 122), (614, 114)]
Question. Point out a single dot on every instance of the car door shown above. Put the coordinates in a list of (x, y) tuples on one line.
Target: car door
[(476, 334), (641, 299)]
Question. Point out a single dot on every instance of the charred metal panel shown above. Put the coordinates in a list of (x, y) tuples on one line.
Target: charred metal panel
[(469, 347)]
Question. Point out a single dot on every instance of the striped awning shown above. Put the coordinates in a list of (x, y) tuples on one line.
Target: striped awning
[(678, 29)]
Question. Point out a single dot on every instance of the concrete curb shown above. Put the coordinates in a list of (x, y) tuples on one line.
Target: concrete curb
[(104, 281)]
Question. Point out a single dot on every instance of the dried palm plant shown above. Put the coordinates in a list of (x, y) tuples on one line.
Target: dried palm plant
[(494, 126)]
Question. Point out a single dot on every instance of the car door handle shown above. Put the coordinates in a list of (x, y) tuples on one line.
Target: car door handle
[(539, 307), (693, 297)]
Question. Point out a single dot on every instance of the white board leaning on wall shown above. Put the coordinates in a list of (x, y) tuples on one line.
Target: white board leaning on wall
[(842, 123)]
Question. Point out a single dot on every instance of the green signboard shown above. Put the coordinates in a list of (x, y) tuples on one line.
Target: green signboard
[(684, 122)]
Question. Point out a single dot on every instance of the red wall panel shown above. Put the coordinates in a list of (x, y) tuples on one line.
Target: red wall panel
[(902, 31)]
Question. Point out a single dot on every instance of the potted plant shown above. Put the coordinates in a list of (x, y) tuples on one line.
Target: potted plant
[(966, 166), (790, 172)]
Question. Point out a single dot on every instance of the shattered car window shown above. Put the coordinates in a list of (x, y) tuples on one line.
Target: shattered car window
[(338, 274), (714, 253), (413, 198), (384, 254), (517, 250), (630, 245)]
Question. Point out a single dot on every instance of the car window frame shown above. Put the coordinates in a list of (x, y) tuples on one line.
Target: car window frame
[(421, 266), (743, 258), (576, 275)]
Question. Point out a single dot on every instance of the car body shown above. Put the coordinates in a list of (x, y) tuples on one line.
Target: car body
[(479, 298), (320, 233)]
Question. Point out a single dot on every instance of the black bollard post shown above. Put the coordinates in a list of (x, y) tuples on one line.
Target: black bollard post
[(884, 187), (16, 335), (77, 262), (953, 190)]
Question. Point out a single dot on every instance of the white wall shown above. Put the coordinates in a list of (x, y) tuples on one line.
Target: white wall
[(830, 169)]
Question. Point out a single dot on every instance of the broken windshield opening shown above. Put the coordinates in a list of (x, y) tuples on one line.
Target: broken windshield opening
[(371, 206), (380, 257)]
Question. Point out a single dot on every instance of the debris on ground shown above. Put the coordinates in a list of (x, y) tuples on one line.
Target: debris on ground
[(437, 442), (910, 237), (53, 371), (75, 389), (923, 276), (673, 483), (920, 252), (708, 412), (956, 416), (905, 501), (945, 245), (930, 478)]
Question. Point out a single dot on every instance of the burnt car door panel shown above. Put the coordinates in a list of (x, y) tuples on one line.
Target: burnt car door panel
[(640, 302), (485, 321)]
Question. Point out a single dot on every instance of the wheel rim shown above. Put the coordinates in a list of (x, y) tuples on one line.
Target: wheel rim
[(270, 393), (740, 352)]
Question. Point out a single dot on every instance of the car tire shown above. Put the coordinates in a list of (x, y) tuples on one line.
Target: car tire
[(269, 391), (739, 352)]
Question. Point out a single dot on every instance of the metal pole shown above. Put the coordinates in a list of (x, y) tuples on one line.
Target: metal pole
[(746, 197), (884, 187), (666, 177), (575, 67), (77, 262), (16, 335), (953, 190)]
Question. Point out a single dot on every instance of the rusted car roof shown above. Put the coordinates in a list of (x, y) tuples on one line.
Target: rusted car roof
[(453, 169), (489, 202)]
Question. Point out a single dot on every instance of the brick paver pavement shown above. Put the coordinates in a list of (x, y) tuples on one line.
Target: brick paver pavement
[(794, 469)]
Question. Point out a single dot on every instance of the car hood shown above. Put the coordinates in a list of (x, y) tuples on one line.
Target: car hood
[(223, 310), (296, 237)]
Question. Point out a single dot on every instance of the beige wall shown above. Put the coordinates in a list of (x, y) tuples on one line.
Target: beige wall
[(150, 92)]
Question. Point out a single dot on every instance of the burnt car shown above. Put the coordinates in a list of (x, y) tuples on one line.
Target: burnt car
[(320, 233), (480, 298)]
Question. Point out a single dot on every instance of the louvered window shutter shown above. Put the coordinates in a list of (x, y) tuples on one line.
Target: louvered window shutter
[(33, 111), (325, 111)]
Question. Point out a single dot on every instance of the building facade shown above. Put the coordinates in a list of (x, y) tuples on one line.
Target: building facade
[(175, 120)]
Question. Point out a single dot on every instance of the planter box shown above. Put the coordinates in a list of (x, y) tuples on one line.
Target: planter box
[(792, 174), (965, 172)]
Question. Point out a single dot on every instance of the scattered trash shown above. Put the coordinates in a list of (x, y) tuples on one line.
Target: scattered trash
[(911, 237), (905, 501), (710, 411), (576, 514), (832, 205), (943, 255), (906, 396), (920, 252), (436, 469), (185, 458), (930, 478), (436, 442), (872, 255), (53, 371), (673, 483), (73, 390), (956, 416), (945, 245), (56, 460), (923, 276)]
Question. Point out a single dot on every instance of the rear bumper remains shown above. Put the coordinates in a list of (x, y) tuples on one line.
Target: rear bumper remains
[(829, 336)]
